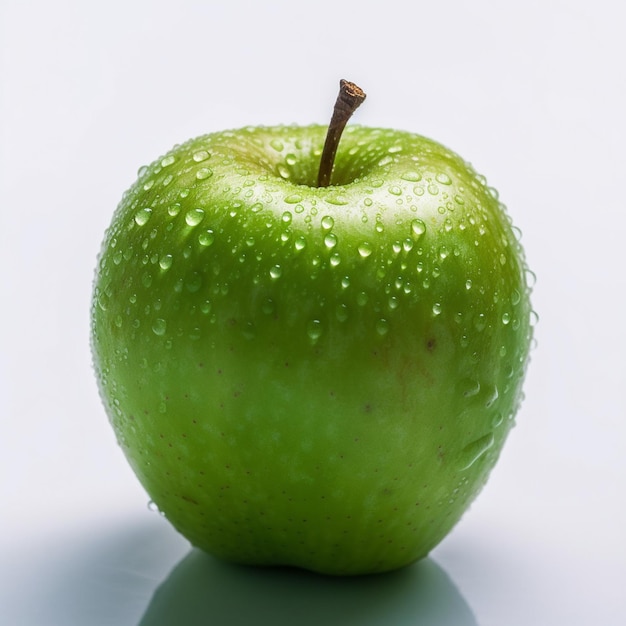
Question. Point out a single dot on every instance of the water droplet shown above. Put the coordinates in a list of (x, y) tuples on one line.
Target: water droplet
[(436, 308), (193, 282), (276, 272), (474, 451), (256, 207), (159, 326), (330, 241), (327, 222), (365, 249), (468, 284), (194, 217), (300, 243), (153, 507), (341, 312), (411, 176), (283, 171), (277, 144), (418, 228), (174, 209), (470, 388), (492, 395), (268, 307), (496, 420), (293, 198), (506, 318), (480, 322), (203, 173), (200, 155), (142, 216), (382, 327), (148, 185), (444, 179), (345, 282), (338, 200), (206, 238), (166, 262), (433, 190), (395, 190), (168, 160), (335, 259), (314, 330)]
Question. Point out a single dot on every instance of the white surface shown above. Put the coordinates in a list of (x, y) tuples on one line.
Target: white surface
[(532, 93)]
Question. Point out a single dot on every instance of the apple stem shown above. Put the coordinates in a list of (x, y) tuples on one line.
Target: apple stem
[(348, 101)]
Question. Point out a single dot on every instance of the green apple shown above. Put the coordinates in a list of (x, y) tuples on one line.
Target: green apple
[(304, 375)]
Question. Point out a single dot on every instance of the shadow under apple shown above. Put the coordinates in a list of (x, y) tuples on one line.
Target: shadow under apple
[(203, 590)]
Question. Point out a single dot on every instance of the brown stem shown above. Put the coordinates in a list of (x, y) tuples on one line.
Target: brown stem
[(348, 101)]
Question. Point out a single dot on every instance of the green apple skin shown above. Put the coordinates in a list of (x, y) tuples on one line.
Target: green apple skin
[(312, 377)]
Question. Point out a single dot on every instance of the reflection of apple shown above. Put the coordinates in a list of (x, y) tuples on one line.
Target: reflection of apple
[(320, 376), (201, 590)]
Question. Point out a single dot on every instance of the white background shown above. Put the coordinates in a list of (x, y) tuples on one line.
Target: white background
[(533, 93)]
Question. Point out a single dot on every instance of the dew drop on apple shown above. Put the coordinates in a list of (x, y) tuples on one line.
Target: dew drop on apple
[(174, 209), (314, 330), (159, 326), (206, 238), (411, 176), (203, 173), (330, 241), (327, 222), (470, 388), (335, 259), (341, 312), (277, 144), (193, 282), (283, 171), (480, 322), (474, 451), (418, 228), (365, 249), (200, 155), (194, 217), (492, 394), (153, 507), (142, 216), (338, 200), (276, 271), (382, 327), (293, 198), (497, 420), (300, 243), (436, 309), (165, 262)]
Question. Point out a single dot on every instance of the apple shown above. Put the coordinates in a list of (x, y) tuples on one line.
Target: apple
[(304, 370)]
